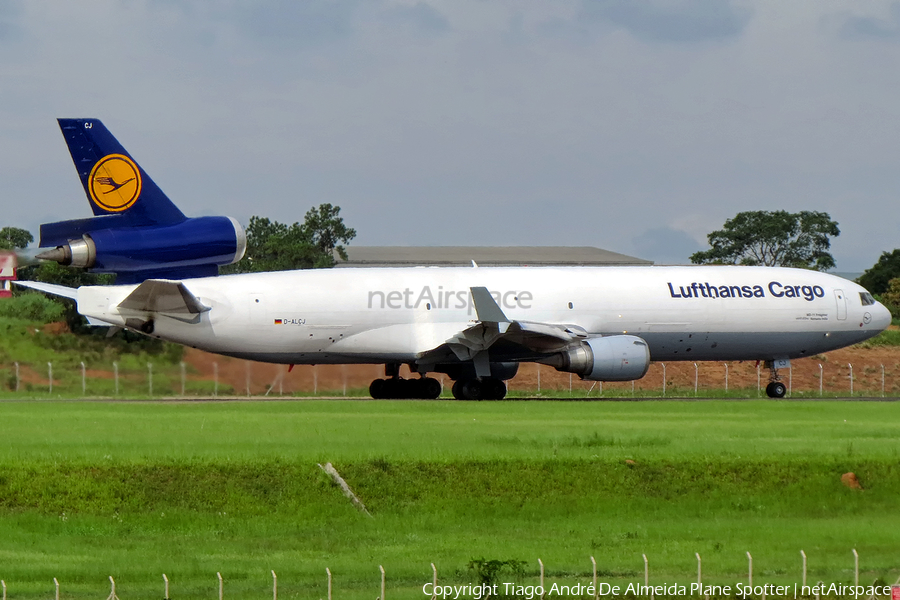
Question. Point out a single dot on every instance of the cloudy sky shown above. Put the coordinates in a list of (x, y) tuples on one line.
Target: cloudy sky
[(632, 125)]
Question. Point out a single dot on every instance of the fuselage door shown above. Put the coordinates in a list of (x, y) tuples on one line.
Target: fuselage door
[(841, 300)]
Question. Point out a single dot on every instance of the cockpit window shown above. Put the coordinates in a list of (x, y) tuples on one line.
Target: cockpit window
[(866, 299)]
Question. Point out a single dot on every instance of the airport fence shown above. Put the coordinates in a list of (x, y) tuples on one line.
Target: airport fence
[(485, 583), (807, 378)]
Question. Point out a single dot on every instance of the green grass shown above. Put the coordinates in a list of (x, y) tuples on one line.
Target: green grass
[(888, 337), (27, 343), (134, 490)]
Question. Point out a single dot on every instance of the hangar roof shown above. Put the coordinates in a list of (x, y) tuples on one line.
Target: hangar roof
[(404, 256)]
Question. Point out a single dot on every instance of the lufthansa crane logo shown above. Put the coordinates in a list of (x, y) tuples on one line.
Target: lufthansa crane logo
[(115, 183)]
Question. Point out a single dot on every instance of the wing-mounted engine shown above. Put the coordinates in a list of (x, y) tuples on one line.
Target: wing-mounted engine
[(612, 358)]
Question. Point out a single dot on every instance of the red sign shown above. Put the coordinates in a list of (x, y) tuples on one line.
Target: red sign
[(7, 273), (7, 266), (895, 592)]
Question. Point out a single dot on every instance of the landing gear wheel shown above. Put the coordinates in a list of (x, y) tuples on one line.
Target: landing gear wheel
[(493, 389), (776, 389), (488, 388), (398, 389), (376, 389), (431, 388), (147, 327), (467, 389)]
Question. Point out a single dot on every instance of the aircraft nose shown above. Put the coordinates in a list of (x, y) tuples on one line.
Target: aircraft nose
[(881, 316)]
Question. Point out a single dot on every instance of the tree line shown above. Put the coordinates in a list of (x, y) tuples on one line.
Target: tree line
[(766, 238)]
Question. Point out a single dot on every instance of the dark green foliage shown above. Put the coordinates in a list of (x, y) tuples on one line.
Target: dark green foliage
[(773, 238), (12, 238), (877, 278), (51, 272), (274, 246), (327, 231), (94, 346), (32, 307), (888, 337), (487, 572)]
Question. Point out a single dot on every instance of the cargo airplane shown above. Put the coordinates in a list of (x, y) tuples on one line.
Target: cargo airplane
[(474, 324)]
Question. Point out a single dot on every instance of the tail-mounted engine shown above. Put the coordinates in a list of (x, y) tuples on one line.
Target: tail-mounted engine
[(613, 358), (192, 248)]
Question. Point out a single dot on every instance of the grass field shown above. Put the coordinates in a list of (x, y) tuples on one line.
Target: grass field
[(134, 490)]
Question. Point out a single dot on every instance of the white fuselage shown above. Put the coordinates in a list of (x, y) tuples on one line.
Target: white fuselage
[(373, 315)]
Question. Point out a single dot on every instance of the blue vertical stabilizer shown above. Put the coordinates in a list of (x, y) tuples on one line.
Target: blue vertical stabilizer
[(113, 181)]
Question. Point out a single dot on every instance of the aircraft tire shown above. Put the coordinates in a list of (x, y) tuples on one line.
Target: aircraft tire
[(776, 389), (376, 389), (427, 388), (467, 389), (493, 389), (394, 388), (411, 389), (431, 388), (147, 327)]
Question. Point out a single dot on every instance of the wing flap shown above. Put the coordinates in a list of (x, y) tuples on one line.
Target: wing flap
[(493, 325)]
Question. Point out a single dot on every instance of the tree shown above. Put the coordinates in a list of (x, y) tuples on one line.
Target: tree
[(13, 238), (274, 246), (327, 230), (776, 238), (877, 278), (891, 296)]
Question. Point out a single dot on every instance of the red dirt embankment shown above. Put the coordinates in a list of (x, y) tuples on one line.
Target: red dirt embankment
[(867, 366)]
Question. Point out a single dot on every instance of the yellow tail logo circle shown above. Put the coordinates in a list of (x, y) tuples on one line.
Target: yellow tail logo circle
[(115, 183)]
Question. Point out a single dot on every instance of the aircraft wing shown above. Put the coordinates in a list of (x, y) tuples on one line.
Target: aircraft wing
[(519, 339)]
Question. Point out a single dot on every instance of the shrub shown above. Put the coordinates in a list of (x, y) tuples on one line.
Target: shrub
[(32, 307)]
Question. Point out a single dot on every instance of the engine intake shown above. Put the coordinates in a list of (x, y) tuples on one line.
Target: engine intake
[(612, 358)]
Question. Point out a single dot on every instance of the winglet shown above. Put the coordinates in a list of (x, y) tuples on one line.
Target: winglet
[(486, 307)]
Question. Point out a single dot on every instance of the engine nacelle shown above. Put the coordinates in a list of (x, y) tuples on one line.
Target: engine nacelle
[(195, 246), (612, 358)]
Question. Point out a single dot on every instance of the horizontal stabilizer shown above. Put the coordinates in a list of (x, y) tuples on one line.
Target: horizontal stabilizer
[(57, 234), (50, 288), (162, 296)]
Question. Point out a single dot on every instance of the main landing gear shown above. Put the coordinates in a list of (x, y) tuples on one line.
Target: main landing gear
[(395, 388), (775, 389), (484, 388)]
